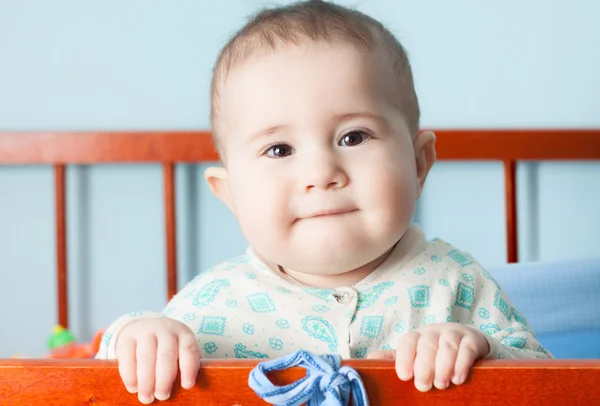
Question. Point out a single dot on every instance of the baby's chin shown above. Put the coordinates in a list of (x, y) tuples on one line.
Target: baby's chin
[(332, 251), (331, 262)]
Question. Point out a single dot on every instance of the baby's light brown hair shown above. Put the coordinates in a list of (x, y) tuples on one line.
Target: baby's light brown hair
[(317, 20)]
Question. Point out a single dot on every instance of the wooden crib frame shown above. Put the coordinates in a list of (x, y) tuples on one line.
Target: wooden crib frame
[(64, 382)]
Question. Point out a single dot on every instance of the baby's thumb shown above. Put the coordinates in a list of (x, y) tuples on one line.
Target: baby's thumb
[(384, 355)]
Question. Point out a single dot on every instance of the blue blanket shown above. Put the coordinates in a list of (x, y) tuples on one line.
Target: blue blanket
[(561, 300)]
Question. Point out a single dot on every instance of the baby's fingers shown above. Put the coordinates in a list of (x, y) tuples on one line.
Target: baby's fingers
[(189, 359), (427, 348), (445, 360), (126, 350), (467, 355), (166, 366), (405, 355), (146, 367)]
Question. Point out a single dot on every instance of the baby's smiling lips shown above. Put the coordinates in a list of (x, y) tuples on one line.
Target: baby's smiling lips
[(329, 213)]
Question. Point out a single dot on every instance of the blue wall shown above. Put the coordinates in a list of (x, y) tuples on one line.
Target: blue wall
[(72, 65)]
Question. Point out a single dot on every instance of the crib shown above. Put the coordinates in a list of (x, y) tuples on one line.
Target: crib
[(66, 382)]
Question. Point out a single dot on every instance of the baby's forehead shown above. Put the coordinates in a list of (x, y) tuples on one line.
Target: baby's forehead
[(306, 47), (319, 70), (279, 61)]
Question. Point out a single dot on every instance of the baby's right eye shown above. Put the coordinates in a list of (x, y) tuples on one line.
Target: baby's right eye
[(279, 151)]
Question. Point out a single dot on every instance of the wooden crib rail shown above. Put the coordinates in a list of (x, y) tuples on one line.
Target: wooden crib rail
[(225, 382), (65, 148), (171, 147)]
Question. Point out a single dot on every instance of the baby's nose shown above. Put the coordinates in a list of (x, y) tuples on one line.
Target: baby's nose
[(330, 185)]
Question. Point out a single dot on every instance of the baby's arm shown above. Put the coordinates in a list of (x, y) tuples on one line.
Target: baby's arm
[(486, 325), (507, 331), (108, 345)]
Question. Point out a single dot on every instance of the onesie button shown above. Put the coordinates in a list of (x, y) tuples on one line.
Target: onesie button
[(342, 297)]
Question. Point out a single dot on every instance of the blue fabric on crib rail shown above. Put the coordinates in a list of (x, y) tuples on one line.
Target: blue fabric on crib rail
[(325, 383), (561, 301)]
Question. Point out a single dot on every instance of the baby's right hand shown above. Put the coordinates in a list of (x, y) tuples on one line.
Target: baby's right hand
[(149, 351)]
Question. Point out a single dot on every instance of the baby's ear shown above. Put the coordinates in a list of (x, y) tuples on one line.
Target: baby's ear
[(425, 156), (218, 181)]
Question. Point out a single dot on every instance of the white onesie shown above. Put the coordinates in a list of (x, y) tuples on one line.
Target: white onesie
[(243, 309)]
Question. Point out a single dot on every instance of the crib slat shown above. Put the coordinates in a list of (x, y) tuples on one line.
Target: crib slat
[(518, 145), (510, 191), (61, 245), (197, 146), (170, 228), (105, 147), (225, 382)]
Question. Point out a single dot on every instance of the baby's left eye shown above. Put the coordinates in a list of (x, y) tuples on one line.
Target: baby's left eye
[(353, 138)]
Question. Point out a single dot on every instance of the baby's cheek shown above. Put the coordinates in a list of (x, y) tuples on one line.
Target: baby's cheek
[(394, 199), (262, 221)]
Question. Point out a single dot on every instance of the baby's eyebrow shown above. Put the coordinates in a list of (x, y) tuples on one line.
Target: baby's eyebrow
[(349, 116), (267, 132)]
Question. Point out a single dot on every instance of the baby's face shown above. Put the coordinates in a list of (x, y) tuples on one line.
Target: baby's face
[(321, 170)]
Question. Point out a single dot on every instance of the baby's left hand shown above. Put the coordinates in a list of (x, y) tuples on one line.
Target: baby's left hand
[(437, 354)]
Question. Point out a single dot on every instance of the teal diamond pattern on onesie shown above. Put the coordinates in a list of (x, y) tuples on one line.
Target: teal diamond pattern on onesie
[(459, 258), (319, 328), (465, 296), (370, 326), (517, 342), (519, 317), (212, 325), (261, 303), (501, 304), (489, 328), (419, 296)]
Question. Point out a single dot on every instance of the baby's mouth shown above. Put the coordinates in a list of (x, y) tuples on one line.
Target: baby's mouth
[(331, 212), (336, 212)]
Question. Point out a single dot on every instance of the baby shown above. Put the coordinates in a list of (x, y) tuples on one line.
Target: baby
[(316, 119)]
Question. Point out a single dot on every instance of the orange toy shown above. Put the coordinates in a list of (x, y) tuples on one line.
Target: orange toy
[(62, 344)]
